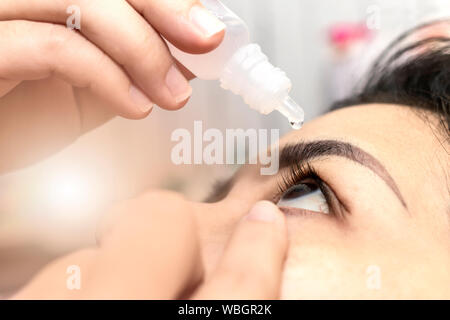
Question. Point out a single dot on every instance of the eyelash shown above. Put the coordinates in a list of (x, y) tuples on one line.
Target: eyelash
[(301, 172)]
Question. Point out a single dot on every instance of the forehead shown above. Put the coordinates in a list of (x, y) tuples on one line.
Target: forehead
[(402, 141), (389, 131), (374, 123)]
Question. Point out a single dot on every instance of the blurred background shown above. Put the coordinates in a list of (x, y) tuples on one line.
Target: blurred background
[(323, 45)]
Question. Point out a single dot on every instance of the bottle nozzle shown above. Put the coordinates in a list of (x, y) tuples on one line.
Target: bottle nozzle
[(291, 110)]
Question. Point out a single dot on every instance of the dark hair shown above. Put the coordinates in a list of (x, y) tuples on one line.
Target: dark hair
[(411, 74)]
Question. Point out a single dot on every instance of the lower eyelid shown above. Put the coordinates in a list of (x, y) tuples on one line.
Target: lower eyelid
[(301, 212)]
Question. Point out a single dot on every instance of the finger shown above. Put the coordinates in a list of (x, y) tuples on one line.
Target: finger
[(7, 85), (94, 111), (37, 119), (123, 34), (34, 50), (64, 278), (149, 250), (186, 73), (184, 23), (252, 263)]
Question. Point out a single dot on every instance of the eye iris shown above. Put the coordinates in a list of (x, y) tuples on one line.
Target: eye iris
[(306, 196), (300, 190)]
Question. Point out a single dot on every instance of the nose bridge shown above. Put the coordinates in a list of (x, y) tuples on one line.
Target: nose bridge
[(221, 214), (215, 223)]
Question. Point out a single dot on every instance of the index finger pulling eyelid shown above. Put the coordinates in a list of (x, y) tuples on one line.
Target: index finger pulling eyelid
[(253, 260)]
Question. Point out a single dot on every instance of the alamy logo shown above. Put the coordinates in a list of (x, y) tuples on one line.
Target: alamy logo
[(74, 20), (373, 280), (373, 21), (73, 281), (211, 147)]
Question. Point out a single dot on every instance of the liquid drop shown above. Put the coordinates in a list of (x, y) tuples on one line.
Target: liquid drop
[(296, 125)]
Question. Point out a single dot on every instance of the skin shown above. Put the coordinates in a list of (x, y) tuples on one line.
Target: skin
[(59, 82), (50, 95), (326, 258)]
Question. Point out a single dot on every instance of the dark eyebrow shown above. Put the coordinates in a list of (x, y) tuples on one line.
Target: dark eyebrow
[(292, 154)]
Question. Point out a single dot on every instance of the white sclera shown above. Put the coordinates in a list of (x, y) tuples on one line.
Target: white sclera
[(314, 201)]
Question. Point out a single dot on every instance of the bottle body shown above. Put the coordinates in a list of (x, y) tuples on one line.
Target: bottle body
[(242, 68)]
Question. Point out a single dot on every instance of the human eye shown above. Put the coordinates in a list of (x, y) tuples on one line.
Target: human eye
[(307, 196), (302, 190)]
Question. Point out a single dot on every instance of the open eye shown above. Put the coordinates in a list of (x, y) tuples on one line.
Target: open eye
[(307, 196)]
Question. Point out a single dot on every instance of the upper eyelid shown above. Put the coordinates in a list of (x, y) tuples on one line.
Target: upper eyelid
[(291, 154)]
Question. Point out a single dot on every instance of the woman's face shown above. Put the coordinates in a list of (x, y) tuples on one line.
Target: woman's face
[(366, 197), (378, 194)]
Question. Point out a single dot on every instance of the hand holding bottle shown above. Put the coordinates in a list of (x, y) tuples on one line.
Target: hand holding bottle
[(243, 69), (56, 83)]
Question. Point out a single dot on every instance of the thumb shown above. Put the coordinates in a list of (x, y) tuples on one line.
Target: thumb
[(186, 24), (252, 264)]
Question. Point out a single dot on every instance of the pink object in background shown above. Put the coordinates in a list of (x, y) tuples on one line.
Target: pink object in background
[(346, 34), (349, 42)]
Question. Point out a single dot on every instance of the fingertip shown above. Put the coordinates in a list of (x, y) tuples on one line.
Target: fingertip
[(272, 222), (180, 105), (205, 21), (134, 113), (265, 211), (202, 45), (173, 105), (192, 42), (178, 87), (210, 30), (253, 261), (198, 31), (143, 104), (143, 115)]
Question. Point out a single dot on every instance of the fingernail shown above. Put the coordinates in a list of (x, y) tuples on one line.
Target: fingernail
[(178, 85), (205, 21), (140, 99), (263, 211)]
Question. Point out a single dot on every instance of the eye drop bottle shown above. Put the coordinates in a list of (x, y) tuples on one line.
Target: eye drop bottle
[(242, 68)]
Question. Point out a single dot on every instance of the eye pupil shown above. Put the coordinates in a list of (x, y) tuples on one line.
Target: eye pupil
[(300, 190)]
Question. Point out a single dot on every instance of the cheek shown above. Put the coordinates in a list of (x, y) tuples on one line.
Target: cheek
[(216, 223), (320, 263), (328, 261), (320, 273)]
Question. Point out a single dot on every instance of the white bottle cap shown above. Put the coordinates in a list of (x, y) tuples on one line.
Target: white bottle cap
[(264, 87)]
